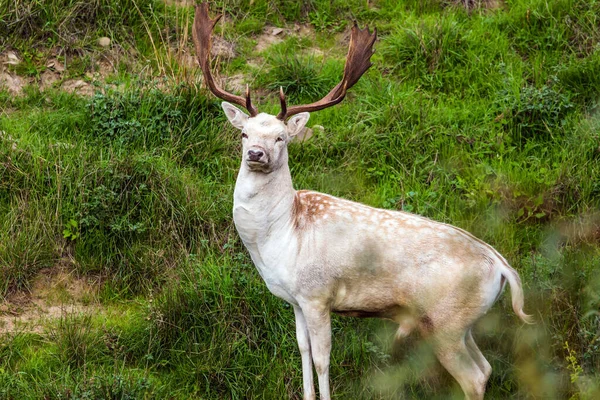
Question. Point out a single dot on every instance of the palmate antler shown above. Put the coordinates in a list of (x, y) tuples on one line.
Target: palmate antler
[(201, 33), (358, 62)]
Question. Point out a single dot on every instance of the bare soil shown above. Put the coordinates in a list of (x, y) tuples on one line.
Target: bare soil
[(55, 293)]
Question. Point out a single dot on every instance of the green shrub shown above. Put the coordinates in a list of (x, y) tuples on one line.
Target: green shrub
[(301, 79), (116, 117), (536, 113), (426, 50)]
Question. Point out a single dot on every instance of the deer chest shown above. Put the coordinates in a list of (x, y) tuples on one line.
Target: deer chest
[(269, 251)]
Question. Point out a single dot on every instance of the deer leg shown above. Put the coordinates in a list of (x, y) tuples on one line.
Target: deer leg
[(304, 346), (482, 363), (318, 322), (454, 355)]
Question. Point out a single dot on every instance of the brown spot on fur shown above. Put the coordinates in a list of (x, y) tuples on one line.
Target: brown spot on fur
[(298, 210), (426, 324), (308, 207)]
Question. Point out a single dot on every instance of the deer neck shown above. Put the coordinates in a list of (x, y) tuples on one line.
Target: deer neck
[(262, 204)]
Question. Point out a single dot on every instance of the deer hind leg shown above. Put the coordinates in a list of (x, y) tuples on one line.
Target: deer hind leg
[(482, 363), (454, 354)]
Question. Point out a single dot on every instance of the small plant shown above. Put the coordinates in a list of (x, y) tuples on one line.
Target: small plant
[(322, 21), (32, 64), (114, 387), (573, 365), (76, 339), (584, 387), (111, 205), (71, 231)]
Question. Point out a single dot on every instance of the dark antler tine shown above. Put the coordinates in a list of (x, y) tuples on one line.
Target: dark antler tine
[(248, 101), (283, 111), (249, 106)]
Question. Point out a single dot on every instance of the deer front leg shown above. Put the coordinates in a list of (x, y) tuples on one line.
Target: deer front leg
[(304, 346), (318, 321)]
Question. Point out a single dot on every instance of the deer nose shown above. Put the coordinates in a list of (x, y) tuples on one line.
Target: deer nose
[(255, 155)]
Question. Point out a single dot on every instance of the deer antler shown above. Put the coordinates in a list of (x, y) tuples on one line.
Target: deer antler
[(358, 62), (202, 31)]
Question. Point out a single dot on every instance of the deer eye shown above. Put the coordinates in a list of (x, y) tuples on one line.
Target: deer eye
[(279, 139), (244, 136)]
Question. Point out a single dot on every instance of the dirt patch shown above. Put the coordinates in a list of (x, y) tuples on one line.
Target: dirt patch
[(9, 81), (48, 78), (77, 86), (55, 293), (180, 3), (9, 58), (13, 83), (303, 30), (105, 68), (270, 36), (99, 73), (235, 83), (222, 48), (55, 65)]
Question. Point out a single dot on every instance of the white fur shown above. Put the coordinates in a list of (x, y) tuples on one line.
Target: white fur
[(322, 254)]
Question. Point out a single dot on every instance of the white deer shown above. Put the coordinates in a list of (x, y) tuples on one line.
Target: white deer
[(323, 254)]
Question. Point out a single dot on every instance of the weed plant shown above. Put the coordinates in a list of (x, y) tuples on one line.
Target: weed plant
[(486, 119)]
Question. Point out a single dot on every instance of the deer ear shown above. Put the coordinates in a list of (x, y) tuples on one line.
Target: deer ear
[(237, 117), (297, 123)]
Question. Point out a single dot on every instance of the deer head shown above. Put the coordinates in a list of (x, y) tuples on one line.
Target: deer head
[(264, 136)]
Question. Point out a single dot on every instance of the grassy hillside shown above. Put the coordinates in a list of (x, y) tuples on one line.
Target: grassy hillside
[(117, 170)]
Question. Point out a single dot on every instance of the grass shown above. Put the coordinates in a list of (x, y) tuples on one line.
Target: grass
[(486, 119)]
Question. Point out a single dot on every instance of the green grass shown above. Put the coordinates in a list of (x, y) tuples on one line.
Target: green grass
[(487, 120)]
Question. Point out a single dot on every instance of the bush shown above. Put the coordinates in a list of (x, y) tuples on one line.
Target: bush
[(535, 113)]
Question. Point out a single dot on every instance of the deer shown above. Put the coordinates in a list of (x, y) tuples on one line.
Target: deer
[(323, 254)]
